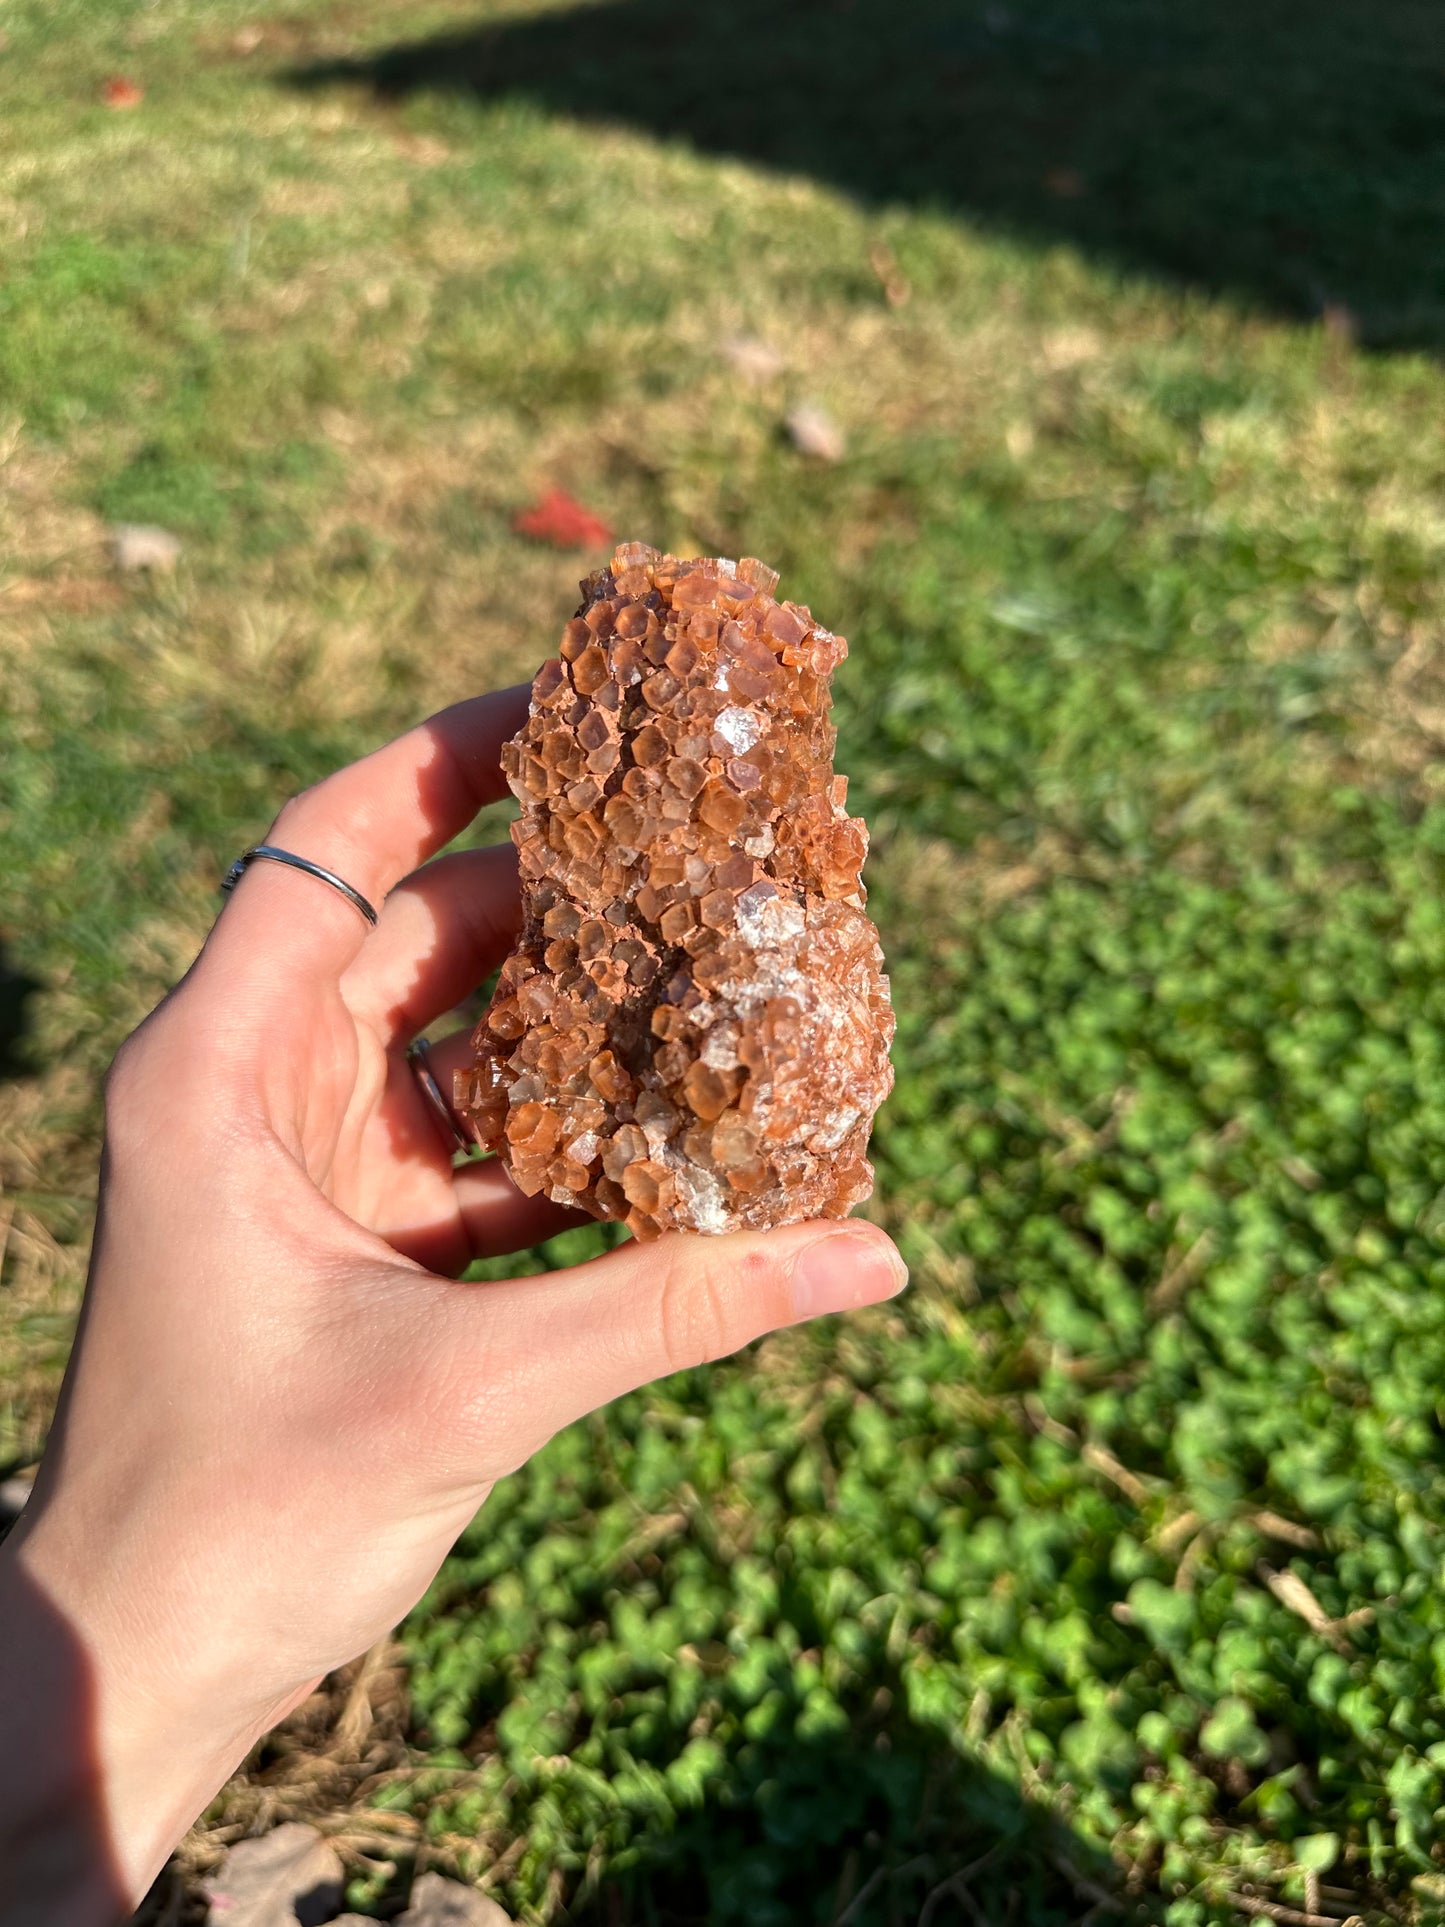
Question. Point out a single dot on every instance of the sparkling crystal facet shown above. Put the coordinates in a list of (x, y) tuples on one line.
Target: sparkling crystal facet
[(693, 1030)]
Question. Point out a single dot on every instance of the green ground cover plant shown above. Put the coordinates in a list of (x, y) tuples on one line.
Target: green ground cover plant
[(1100, 1575)]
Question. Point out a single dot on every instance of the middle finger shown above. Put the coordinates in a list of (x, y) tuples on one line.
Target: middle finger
[(441, 932)]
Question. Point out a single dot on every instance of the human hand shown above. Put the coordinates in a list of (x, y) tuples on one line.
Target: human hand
[(282, 1408)]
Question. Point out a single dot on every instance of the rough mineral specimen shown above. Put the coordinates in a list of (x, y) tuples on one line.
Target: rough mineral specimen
[(693, 1030)]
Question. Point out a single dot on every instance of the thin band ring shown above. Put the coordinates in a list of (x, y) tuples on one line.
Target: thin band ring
[(418, 1055), (269, 853)]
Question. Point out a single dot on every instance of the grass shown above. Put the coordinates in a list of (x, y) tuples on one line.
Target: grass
[(1106, 1564)]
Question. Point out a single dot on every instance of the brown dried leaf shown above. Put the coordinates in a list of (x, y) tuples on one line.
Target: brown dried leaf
[(751, 359), (894, 282)]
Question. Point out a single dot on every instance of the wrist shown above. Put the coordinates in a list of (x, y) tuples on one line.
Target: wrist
[(119, 1722)]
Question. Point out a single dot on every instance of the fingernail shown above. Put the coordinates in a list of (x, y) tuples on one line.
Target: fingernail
[(844, 1270)]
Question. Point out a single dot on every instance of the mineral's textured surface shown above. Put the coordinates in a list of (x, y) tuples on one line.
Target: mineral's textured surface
[(693, 1030)]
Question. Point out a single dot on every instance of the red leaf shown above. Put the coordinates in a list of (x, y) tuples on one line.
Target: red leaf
[(119, 91), (559, 519)]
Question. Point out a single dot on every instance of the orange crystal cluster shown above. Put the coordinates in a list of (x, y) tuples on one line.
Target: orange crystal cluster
[(693, 1030)]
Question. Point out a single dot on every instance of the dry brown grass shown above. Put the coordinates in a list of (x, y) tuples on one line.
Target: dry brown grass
[(47, 1201), (321, 1766)]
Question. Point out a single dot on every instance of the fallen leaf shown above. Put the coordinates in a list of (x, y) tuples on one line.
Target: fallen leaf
[(755, 360), (422, 149), (139, 546), (83, 595), (813, 431), (247, 40), (436, 1902), (561, 520), (892, 279), (287, 1877), (119, 91)]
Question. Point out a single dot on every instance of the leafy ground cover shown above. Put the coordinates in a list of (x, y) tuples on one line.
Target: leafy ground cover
[(1101, 1574)]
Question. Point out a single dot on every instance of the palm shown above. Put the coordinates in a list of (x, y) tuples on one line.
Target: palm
[(367, 1137), (331, 1006), (393, 1170)]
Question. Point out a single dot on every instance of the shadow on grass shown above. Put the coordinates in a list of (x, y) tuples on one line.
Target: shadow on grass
[(879, 1826), (1290, 157), (16, 990)]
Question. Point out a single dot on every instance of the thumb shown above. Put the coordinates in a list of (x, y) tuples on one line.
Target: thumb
[(574, 1340)]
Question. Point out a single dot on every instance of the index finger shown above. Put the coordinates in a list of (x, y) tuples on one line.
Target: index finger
[(371, 823)]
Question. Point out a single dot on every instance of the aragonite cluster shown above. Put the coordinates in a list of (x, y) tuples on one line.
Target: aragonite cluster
[(693, 1030)]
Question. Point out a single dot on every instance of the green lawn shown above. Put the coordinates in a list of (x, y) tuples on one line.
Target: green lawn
[(1099, 1577)]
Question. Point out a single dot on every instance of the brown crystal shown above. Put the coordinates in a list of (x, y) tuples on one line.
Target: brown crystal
[(693, 1030)]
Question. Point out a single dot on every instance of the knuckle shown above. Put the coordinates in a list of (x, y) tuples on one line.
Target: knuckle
[(291, 815), (330, 825), (703, 1313), (164, 1073), (129, 1093), (122, 1079)]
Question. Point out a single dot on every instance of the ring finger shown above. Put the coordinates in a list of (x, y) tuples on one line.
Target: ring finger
[(495, 1217), (443, 929), (496, 1214)]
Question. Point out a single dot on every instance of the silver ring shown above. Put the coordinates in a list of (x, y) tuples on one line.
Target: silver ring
[(269, 853), (418, 1055)]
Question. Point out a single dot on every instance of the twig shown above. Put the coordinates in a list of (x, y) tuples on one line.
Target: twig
[(1190, 1557), (501, 1867), (847, 1879), (1293, 1594), (349, 1829), (956, 1888), (1176, 1532), (874, 1881), (1275, 1910), (1129, 1483), (552, 1894), (1177, 1280), (354, 1724), (979, 1709), (955, 1885), (1101, 1897), (651, 1534), (1274, 1526), (1012, 1731), (1047, 1427)]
